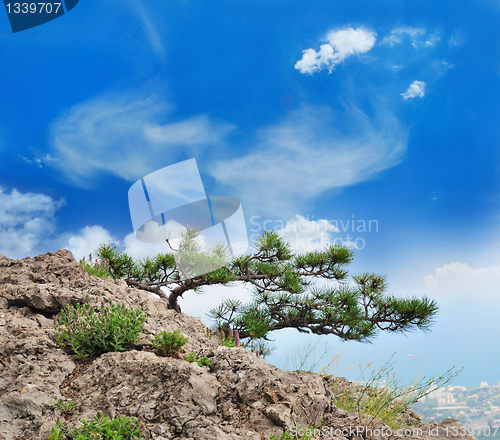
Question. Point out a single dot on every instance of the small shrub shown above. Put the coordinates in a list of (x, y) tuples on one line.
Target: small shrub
[(57, 432), (169, 344), (231, 339), (89, 333), (99, 268), (191, 357), (204, 362), (67, 407), (120, 428)]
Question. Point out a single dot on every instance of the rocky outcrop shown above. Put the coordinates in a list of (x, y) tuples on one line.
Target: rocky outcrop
[(239, 397)]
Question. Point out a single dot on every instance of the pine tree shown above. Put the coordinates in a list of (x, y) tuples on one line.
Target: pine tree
[(284, 296)]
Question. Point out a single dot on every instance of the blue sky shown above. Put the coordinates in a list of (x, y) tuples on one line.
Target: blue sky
[(313, 114)]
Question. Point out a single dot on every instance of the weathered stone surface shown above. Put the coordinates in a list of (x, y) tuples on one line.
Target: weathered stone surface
[(240, 397)]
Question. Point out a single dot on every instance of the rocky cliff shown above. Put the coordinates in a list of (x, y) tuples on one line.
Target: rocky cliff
[(239, 397)]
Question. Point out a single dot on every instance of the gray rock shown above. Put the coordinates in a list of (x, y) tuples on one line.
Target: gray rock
[(239, 397)]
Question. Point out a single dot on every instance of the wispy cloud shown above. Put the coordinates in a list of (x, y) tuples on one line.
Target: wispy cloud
[(121, 135), (456, 39), (397, 34), (432, 40), (340, 45), (39, 161), (310, 152), (26, 220), (151, 30), (416, 90)]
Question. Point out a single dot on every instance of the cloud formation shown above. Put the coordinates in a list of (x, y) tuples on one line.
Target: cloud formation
[(416, 90), (398, 33), (460, 278), (88, 240), (122, 135), (309, 152), (340, 45), (306, 235), (26, 220), (151, 30)]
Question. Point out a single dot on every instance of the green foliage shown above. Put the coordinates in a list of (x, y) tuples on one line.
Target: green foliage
[(67, 407), (104, 428), (259, 347), (284, 293), (98, 268), (203, 362), (391, 402), (169, 344), (120, 265), (229, 342), (228, 338), (87, 332), (193, 260), (191, 357), (57, 432)]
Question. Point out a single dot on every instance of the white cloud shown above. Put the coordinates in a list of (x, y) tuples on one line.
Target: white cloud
[(398, 33), (456, 39), (432, 40), (340, 45), (198, 304), (460, 278), (151, 30), (121, 135), (310, 152), (36, 161), (26, 220), (416, 90), (47, 159), (88, 240), (138, 249), (306, 235)]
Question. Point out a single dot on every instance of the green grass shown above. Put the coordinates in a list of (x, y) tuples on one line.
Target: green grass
[(103, 428), (390, 403)]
